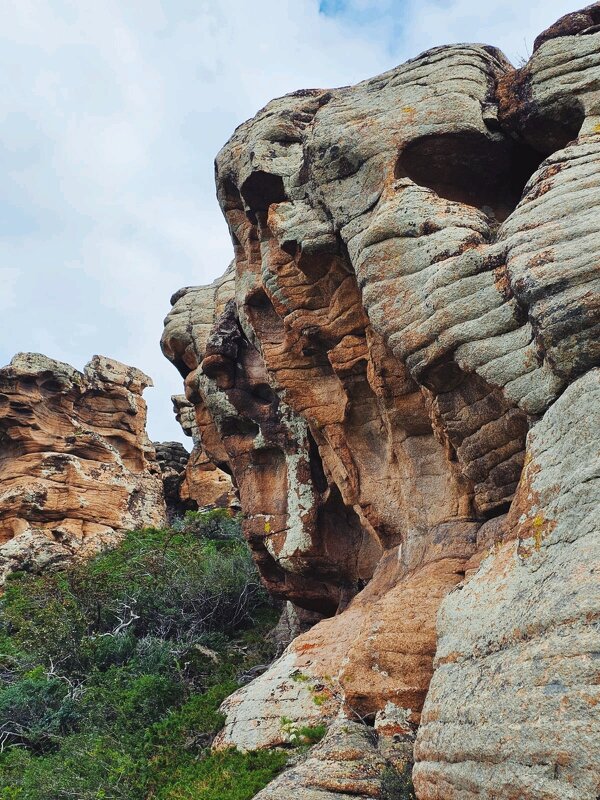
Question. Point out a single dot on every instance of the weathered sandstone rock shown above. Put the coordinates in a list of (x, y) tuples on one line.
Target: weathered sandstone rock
[(292, 514), (398, 369), (512, 710), (191, 480), (76, 466), (379, 650), (173, 460), (347, 763)]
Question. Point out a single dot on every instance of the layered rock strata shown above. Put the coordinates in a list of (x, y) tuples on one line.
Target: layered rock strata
[(513, 704), (399, 370), (76, 466), (204, 484)]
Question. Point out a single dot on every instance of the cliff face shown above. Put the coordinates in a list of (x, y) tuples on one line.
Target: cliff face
[(76, 466), (398, 369)]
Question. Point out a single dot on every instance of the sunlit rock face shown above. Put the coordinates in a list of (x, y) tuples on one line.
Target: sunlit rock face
[(398, 368), (76, 466)]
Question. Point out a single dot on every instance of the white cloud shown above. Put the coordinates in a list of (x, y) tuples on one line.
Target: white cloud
[(511, 25), (113, 114)]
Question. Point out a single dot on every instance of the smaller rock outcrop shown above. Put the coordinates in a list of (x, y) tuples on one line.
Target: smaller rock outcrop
[(76, 466), (203, 483), (348, 763), (191, 481), (173, 460)]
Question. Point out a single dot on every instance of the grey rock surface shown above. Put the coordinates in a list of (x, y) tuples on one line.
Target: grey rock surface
[(400, 369)]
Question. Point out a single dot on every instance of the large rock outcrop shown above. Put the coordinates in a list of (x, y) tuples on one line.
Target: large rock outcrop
[(399, 371), (76, 466)]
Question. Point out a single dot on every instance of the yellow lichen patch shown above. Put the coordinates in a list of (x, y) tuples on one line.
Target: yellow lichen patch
[(597, 128), (538, 530), (267, 527), (408, 109)]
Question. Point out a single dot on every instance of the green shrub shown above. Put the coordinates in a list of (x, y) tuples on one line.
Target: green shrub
[(228, 774), (128, 701), (112, 674), (131, 589), (217, 525), (302, 735), (36, 710), (87, 766)]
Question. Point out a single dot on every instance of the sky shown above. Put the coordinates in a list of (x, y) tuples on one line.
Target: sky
[(111, 115)]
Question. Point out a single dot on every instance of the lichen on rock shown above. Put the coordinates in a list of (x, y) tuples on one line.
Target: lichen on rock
[(399, 369)]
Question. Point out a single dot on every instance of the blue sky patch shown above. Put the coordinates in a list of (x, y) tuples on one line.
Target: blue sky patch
[(332, 8)]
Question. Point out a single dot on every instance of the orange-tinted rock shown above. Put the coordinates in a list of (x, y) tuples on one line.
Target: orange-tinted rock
[(415, 291), (76, 466), (191, 480), (173, 460), (378, 650)]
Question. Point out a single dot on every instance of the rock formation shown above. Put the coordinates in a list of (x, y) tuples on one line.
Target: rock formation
[(76, 466), (200, 483), (399, 369), (350, 761), (173, 460), (191, 481)]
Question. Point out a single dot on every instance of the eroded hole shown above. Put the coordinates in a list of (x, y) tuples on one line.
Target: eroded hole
[(263, 393), (238, 426), (559, 127), (230, 196), (262, 189), (52, 386), (262, 315), (443, 376), (470, 167)]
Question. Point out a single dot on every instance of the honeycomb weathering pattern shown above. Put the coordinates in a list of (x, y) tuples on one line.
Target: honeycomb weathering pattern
[(400, 370)]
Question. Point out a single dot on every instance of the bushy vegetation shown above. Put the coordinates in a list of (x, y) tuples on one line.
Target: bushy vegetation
[(112, 673), (397, 784)]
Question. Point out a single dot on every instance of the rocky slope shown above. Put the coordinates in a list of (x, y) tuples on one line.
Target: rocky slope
[(76, 466), (399, 369)]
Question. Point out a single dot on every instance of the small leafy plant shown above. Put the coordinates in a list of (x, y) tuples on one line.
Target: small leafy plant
[(300, 735)]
